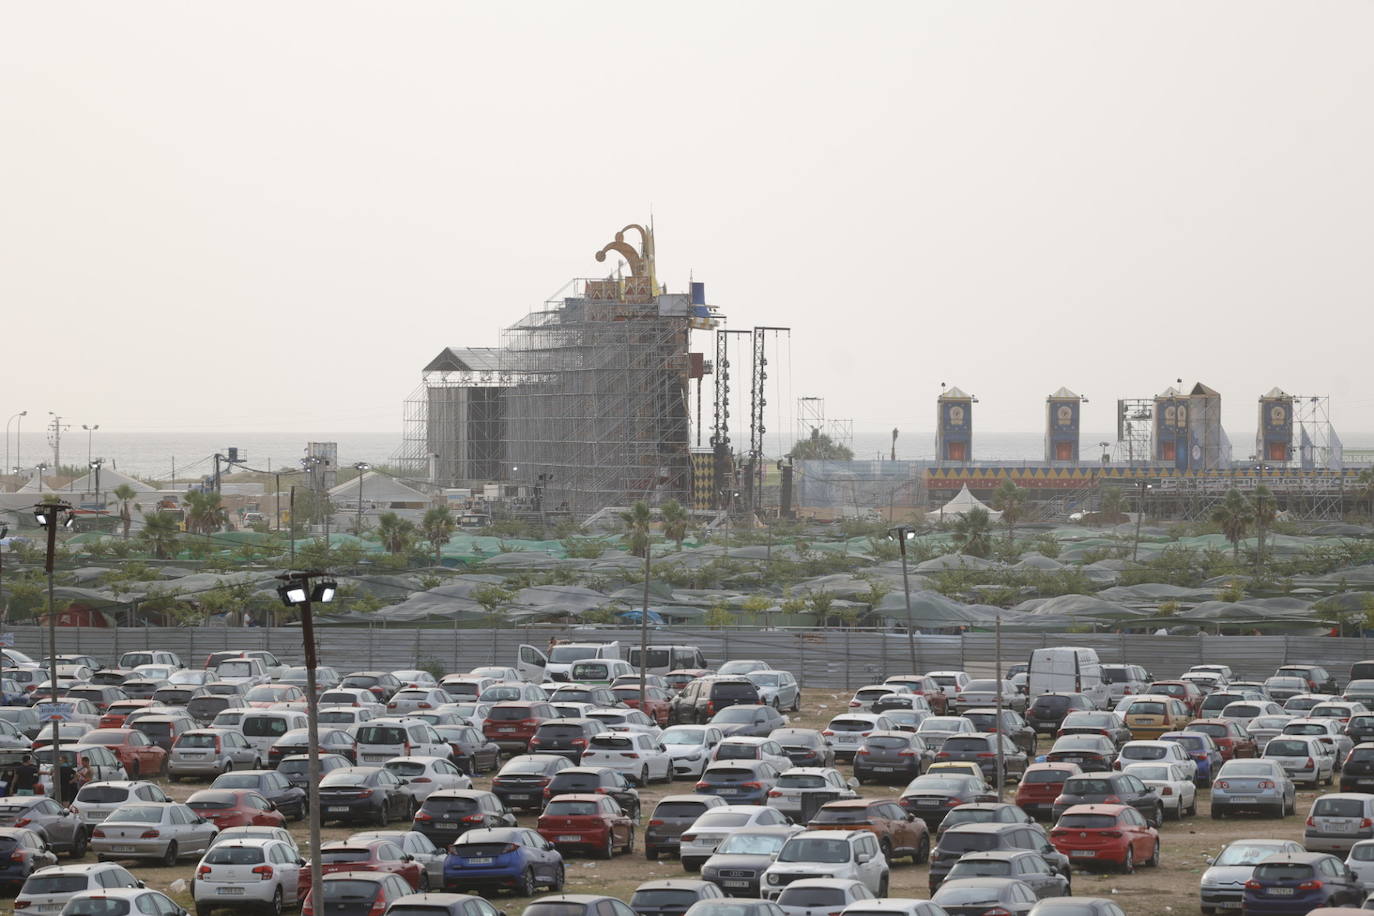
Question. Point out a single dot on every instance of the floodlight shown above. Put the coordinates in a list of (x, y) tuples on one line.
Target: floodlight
[(324, 591), (292, 593)]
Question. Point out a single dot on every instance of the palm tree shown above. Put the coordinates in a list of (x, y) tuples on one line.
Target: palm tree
[(971, 533), (1266, 509), (438, 526), (1011, 501), (160, 530), (1234, 515), (675, 520), (204, 514), (637, 522), (125, 494), (395, 533)]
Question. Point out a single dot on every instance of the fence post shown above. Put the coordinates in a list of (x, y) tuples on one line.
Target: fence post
[(963, 659), (801, 652), (883, 653), (370, 656), (847, 658)]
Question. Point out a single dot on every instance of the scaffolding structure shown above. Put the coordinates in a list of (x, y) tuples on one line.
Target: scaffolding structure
[(1134, 431), (811, 420), (1318, 446)]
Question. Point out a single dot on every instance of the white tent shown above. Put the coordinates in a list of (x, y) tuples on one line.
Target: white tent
[(378, 490), (963, 503)]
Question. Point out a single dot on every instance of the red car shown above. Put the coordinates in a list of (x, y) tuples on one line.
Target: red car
[(922, 685), (1041, 784), (1230, 736), (367, 855), (1106, 835), (657, 706), (138, 755), (1187, 692), (119, 711), (585, 821), (512, 724), (235, 808)]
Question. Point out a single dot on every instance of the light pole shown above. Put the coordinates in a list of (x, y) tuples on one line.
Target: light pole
[(299, 591), (50, 516), (90, 436), (95, 466), (362, 467), (20, 417), (904, 533), (1141, 488)]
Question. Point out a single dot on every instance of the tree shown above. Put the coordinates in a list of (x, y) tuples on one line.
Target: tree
[(1110, 503), (1266, 509), (204, 513), (820, 447), (493, 599), (395, 533), (1010, 500), (972, 533), (160, 531), (675, 521), (1234, 516), (438, 526), (125, 494), (637, 521)]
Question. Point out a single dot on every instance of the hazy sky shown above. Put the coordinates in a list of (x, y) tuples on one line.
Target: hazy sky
[(269, 216)]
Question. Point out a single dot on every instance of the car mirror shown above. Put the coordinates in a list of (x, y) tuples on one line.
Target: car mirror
[(852, 783), (863, 857), (300, 862)]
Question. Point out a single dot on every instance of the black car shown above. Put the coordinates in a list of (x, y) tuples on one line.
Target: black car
[(447, 814), (296, 768), (703, 698), (1318, 679), (1360, 729), (1092, 753), (748, 721), (1121, 788), (601, 780), (891, 757), (470, 751), (565, 737), (986, 813), (579, 905), (522, 781), (671, 896), (671, 818), (805, 747), (955, 842), (1048, 710), (332, 741), (982, 750), (1358, 773), (142, 688), (1015, 727), (205, 706), (381, 684), (930, 797), (372, 795), (271, 785), (1106, 723)]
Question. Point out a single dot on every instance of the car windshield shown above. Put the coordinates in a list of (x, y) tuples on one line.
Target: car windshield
[(1328, 806), (1143, 752), (136, 814), (1039, 776), (562, 807), (829, 897), (683, 736), (1159, 774), (1282, 871), (1246, 852), (937, 784), (801, 781), (1079, 742), (941, 724), (102, 794), (1260, 722), (1145, 708), (226, 854), (1360, 852), (735, 714), (41, 885), (752, 844), (1087, 821), (97, 906), (1081, 786), (663, 897), (1281, 748), (808, 849), (980, 868), (718, 819), (1216, 731)]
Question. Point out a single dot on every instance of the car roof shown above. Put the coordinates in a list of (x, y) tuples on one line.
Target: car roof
[(1113, 810), (118, 893), (831, 834), (703, 799), (1298, 858), (983, 828), (694, 884)]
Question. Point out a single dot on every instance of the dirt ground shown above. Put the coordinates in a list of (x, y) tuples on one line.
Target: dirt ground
[(1170, 889)]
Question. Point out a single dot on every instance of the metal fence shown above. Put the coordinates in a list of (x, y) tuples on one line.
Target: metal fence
[(820, 658)]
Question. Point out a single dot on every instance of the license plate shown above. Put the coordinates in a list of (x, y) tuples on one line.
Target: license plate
[(520, 797), (230, 890), (338, 809), (506, 731), (736, 883), (482, 861), (571, 838), (883, 769), (1230, 904), (1084, 853), (121, 848), (1280, 892), (927, 802), (725, 791), (1241, 799), (50, 907)]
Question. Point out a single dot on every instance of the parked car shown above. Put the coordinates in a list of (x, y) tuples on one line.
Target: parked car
[(1329, 731), (671, 817), (296, 768), (95, 800), (892, 756), (1303, 757), (261, 873), (778, 689), (1111, 835), (1299, 882), (513, 858), (1023, 865), (741, 858), (671, 896), (982, 750), (1360, 860), (469, 749), (955, 842), (985, 813), (209, 752), (983, 692), (1097, 788), (748, 721), (1158, 751), (699, 841), (1173, 784), (847, 732), (703, 698), (689, 746), (639, 756), (371, 795), (742, 781), (900, 834), (286, 798), (450, 813), (136, 753), (930, 797), (843, 854), (297, 741), (1091, 753), (161, 831), (235, 808), (369, 891), (381, 684), (1318, 679), (1231, 737), (49, 891), (1338, 821), (511, 725), (422, 775), (22, 852), (521, 782), (1041, 784), (121, 900), (1206, 755), (1013, 725), (976, 896), (1223, 883), (1281, 689), (1048, 710), (801, 790), (738, 747), (923, 686), (936, 730), (589, 822), (597, 780), (808, 895)]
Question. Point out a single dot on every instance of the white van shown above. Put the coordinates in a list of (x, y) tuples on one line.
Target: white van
[(663, 659), (602, 671), (537, 667), (262, 727), (382, 739), (1068, 669)]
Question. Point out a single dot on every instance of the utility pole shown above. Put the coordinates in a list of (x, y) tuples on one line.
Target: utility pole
[(49, 516), (55, 429), (362, 467), (1001, 753), (904, 533)]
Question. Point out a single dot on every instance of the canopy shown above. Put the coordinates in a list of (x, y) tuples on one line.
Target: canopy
[(962, 504)]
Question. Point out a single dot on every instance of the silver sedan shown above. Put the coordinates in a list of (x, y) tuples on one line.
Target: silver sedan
[(161, 831), (1253, 785)]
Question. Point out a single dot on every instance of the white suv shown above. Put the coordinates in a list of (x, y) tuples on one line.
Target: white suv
[(639, 757), (48, 889), (853, 854), (384, 739)]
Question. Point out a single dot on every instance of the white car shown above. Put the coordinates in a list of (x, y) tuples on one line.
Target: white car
[(1246, 711), (95, 800), (1157, 752), (789, 793), (152, 672), (846, 733), (249, 874), (345, 717), (513, 692), (625, 720), (937, 729), (638, 756), (1263, 728), (240, 671), (476, 713), (1304, 758), (422, 775), (689, 747), (1171, 782), (952, 683), (349, 696), (416, 699), (415, 677), (496, 672), (778, 689), (821, 896), (191, 677), (255, 832), (1221, 670), (709, 830), (743, 748), (1341, 711), (461, 687), (1361, 862), (842, 854), (1206, 681), (1328, 731), (164, 831), (865, 697), (48, 889)]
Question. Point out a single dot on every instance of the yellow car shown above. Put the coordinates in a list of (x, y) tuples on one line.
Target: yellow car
[(1148, 716), (962, 767)]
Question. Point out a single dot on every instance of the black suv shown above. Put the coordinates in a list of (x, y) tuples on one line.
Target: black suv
[(1097, 788), (447, 814), (1049, 709), (703, 698), (600, 780), (956, 841), (565, 737)]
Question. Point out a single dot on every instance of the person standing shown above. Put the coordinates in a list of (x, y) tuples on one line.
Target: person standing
[(25, 777)]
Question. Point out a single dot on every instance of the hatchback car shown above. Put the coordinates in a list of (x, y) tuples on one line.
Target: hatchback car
[(61, 827), (244, 873), (1041, 784), (982, 750), (672, 896), (839, 854), (699, 841), (565, 737), (745, 782), (523, 779), (235, 808), (1202, 749), (818, 896), (930, 797), (590, 822), (801, 790), (1299, 882), (670, 819), (362, 892), (446, 815), (1013, 725), (936, 730), (956, 842), (296, 768), (1106, 835), (748, 721), (892, 756), (49, 891), (1027, 866), (1339, 821), (138, 755), (1231, 736), (1090, 753), (1167, 752), (1223, 883), (209, 752), (376, 855), (508, 858), (95, 800), (846, 733), (163, 832), (598, 780), (288, 799), (1097, 788), (1305, 758), (689, 747), (120, 900), (1253, 785), (371, 795), (639, 756), (701, 699), (986, 813), (1048, 710), (977, 896), (900, 835)]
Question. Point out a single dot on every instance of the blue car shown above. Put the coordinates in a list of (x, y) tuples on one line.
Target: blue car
[(740, 782), (1204, 751), (514, 858), (1298, 882)]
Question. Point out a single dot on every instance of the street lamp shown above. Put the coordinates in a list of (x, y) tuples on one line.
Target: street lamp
[(20, 417), (302, 590), (904, 533), (90, 435), (362, 467), (51, 516), (1142, 488)]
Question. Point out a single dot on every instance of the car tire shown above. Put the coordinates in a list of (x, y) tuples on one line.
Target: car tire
[(1216, 813), (608, 850), (644, 775), (79, 844), (381, 815), (630, 841), (922, 855), (526, 886), (1159, 817), (424, 882), (275, 907), (169, 858), (1154, 856), (559, 878), (1128, 863), (882, 885), (650, 853)]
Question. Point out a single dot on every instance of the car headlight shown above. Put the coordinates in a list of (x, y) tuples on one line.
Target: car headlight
[(696, 756), (774, 879)]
